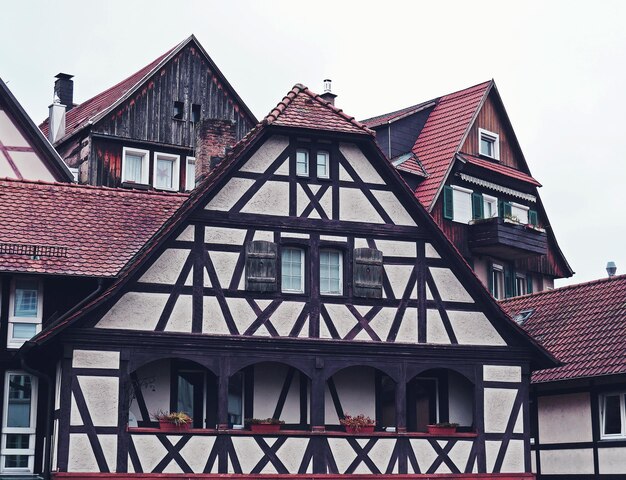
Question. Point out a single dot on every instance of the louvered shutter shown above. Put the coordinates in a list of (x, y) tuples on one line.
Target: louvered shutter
[(509, 282), (477, 206), (532, 217), (529, 283), (368, 273), (448, 211), (261, 266), (505, 209)]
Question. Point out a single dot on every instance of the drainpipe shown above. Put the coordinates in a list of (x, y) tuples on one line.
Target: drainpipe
[(28, 346)]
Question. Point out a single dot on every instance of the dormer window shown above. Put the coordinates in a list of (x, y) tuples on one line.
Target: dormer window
[(489, 144), (166, 171), (135, 165)]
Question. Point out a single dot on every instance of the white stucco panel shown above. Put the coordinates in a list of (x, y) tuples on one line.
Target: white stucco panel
[(381, 323), (612, 460), (109, 449), (224, 263), (196, 451), (302, 200), (229, 194), (360, 163), (344, 176), (292, 453), (431, 252), (101, 397), (397, 248), (498, 407), (135, 311), (249, 454), (435, 331), (242, 313), (150, 450), (424, 453), (212, 319), (398, 276), (449, 287), (81, 457), (264, 235), (271, 199), (460, 453), (230, 236), (343, 454), (285, 316), (502, 373), (166, 268), (514, 458), (565, 418), (355, 207), (564, 462), (95, 359), (491, 453), (187, 235), (407, 333), (75, 417), (473, 328), (342, 318), (266, 154), (180, 319), (394, 208), (381, 452)]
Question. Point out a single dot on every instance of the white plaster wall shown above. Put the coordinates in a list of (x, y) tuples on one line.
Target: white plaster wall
[(271, 199), (249, 454), (381, 323), (230, 236), (397, 248), (424, 452), (224, 263), (355, 207), (355, 389), (285, 316), (135, 311), (473, 328), (150, 450), (242, 313), (196, 450), (498, 403), (156, 389), (360, 163), (341, 318), (187, 235), (80, 456), (502, 373), (431, 252), (167, 268), (513, 459), (266, 154), (292, 453), (268, 383), (101, 396), (229, 194), (481, 269), (407, 333), (213, 322), (612, 460), (399, 276), (394, 208), (461, 399), (95, 359), (450, 289), (435, 330), (31, 167), (563, 462), (180, 318), (565, 418)]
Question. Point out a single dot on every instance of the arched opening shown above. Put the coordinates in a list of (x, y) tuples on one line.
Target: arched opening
[(269, 390), (439, 395), (172, 385), (361, 390)]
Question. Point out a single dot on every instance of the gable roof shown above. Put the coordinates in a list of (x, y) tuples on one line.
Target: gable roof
[(40, 143), (499, 169), (583, 325), (77, 229), (92, 110), (398, 114)]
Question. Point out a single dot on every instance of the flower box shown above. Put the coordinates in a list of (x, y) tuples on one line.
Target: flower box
[(441, 430), (173, 427), (365, 430), (265, 427)]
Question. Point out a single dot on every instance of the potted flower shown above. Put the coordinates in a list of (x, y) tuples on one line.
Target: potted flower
[(358, 423), (264, 425), (172, 421), (443, 428)]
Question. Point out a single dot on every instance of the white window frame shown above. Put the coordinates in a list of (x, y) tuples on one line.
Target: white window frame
[(456, 211), (306, 164), (18, 342), (489, 200), (192, 185), (493, 137), (519, 206), (302, 270), (19, 430), (522, 277), (497, 268), (175, 173), (333, 294), (317, 170), (622, 405), (145, 164)]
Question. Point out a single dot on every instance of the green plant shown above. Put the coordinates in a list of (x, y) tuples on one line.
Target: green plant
[(177, 418), (357, 422), (263, 421)]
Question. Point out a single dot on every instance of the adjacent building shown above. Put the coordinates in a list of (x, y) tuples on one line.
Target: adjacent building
[(461, 157)]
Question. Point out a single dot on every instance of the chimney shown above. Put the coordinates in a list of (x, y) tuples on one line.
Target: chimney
[(64, 89), (611, 269), (214, 137), (56, 120), (328, 95)]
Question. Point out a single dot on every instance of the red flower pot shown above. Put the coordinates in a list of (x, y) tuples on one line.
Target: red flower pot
[(265, 427), (172, 427), (436, 430), (368, 429)]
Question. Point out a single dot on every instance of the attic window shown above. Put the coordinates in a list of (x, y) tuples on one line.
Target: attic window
[(523, 316), (489, 144), (179, 108), (195, 113)]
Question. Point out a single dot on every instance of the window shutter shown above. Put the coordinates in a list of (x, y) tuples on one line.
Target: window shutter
[(477, 206), (509, 282), (448, 212), (261, 266), (505, 209), (532, 217), (368, 273), (529, 283)]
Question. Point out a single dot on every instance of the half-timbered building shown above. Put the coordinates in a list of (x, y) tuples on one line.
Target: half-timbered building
[(301, 281), (578, 410), (461, 157), (141, 132)]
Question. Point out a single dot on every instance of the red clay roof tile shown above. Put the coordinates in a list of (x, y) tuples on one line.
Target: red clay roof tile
[(501, 169)]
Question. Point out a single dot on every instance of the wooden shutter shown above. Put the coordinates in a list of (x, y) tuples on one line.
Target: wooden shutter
[(477, 206), (529, 283), (261, 266), (505, 209), (367, 273), (532, 217), (509, 281), (448, 211)]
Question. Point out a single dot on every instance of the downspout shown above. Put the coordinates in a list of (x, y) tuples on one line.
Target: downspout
[(28, 346)]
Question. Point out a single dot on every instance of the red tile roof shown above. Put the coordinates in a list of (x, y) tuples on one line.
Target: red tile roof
[(101, 228), (501, 169), (583, 325), (392, 116), (304, 109)]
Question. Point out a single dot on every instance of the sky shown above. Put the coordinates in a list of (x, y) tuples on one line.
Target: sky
[(560, 67)]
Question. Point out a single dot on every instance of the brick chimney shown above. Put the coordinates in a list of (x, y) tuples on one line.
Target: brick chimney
[(64, 90), (213, 137)]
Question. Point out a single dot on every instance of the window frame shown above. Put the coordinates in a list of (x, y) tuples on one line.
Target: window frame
[(601, 405), (175, 170), (306, 163), (303, 269), (317, 165), (519, 206), (455, 211), (30, 431), (494, 138), (496, 267), (341, 268), (145, 165), (187, 161), (490, 200), (520, 278), (12, 342)]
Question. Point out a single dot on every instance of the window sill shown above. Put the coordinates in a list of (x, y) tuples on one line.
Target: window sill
[(136, 186)]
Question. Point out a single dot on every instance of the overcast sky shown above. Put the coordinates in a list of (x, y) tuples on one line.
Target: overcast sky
[(559, 66)]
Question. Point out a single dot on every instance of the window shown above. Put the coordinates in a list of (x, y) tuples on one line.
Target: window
[(520, 284), (613, 415), (292, 270), (497, 281), (195, 113), (489, 144), (18, 423), (490, 206), (331, 275), (519, 212), (25, 313), (302, 163), (135, 165), (235, 400), (323, 166), (190, 174), (166, 171), (179, 109), (461, 204)]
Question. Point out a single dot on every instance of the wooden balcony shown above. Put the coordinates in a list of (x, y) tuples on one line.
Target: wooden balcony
[(507, 239)]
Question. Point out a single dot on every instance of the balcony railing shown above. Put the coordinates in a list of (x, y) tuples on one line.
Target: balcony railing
[(507, 239)]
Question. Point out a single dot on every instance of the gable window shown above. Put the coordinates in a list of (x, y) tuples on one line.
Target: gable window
[(323, 166), (25, 311), (195, 113), (190, 174), (497, 281), (331, 275), (135, 165), (292, 270), (179, 109), (166, 171), (490, 206), (18, 423), (519, 212), (520, 284), (489, 144), (613, 415), (302, 163)]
